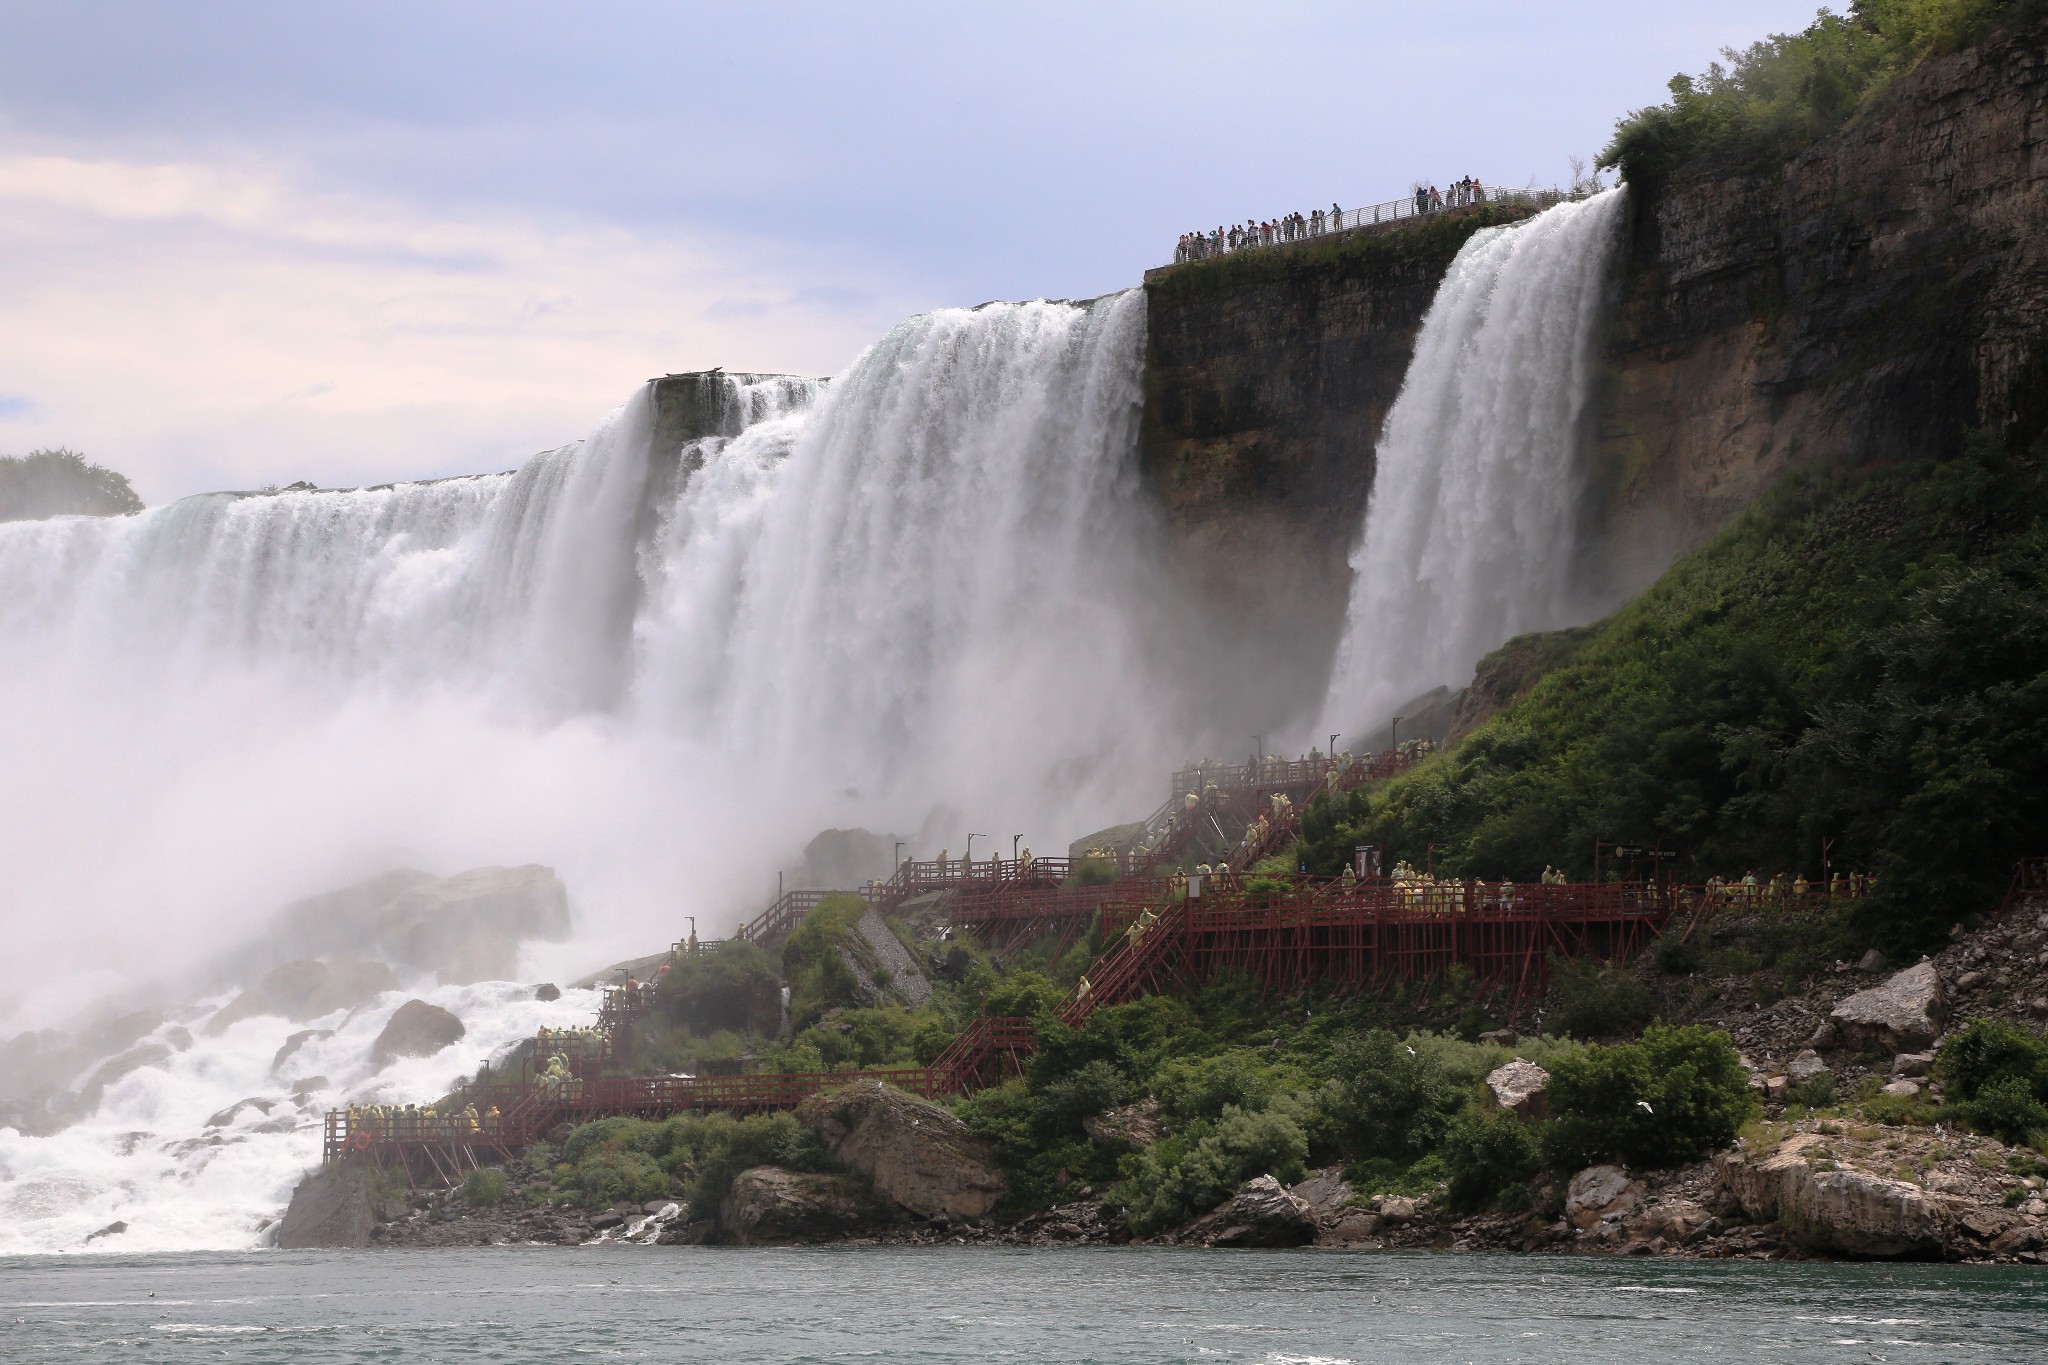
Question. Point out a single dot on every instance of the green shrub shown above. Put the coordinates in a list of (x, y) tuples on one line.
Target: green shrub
[(1656, 1103), (1989, 1051), (615, 1134), (1488, 1155), (1093, 872), (1066, 1100), (2007, 1109), (1201, 1087), (1385, 1099), (1790, 89), (1675, 955), (814, 959), (484, 1187), (1815, 1092), (737, 986), (1594, 999), (1194, 1172), (48, 483), (609, 1176)]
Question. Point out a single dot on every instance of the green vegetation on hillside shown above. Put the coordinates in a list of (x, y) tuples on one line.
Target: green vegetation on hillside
[(1861, 659), (1782, 93), (51, 483)]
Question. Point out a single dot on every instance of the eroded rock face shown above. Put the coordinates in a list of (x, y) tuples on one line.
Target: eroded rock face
[(1842, 1210), (914, 1152), (330, 1208), (1601, 1192), (769, 1205), (1905, 1014), (1521, 1087), (1807, 1066), (1127, 1125), (417, 1029), (1263, 1214), (469, 927)]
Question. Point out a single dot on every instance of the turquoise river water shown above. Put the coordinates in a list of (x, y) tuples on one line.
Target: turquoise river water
[(984, 1305)]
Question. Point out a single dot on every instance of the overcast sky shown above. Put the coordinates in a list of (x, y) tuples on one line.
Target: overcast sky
[(247, 243)]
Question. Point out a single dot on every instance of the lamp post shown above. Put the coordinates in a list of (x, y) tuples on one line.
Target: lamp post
[(1015, 839), (1394, 737), (968, 857), (899, 853)]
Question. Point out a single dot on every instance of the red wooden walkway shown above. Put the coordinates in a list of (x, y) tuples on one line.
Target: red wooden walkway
[(442, 1148)]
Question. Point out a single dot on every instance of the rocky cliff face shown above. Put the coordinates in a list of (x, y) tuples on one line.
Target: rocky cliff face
[(1872, 299), (1268, 376)]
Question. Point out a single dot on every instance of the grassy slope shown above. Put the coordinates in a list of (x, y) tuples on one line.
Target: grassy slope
[(1858, 658)]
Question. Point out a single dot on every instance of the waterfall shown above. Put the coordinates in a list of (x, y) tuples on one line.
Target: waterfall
[(1471, 529), (921, 585)]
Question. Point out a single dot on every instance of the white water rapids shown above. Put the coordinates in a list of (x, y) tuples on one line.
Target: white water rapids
[(1472, 526), (922, 598)]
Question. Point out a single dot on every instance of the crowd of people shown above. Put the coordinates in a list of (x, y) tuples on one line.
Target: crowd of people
[(421, 1121), (1300, 227)]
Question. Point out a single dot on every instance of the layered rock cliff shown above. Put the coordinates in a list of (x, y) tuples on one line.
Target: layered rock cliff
[(1872, 299)]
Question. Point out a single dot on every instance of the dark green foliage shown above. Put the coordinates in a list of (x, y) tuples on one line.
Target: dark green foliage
[(484, 1187), (620, 1158), (1386, 1100), (814, 959), (736, 987), (1202, 1087), (1489, 1154), (1593, 999), (1815, 1092), (1676, 955), (2007, 1109), (1198, 1169), (51, 483), (1780, 94), (1996, 1076), (607, 1177), (1660, 1102), (1861, 658), (1094, 872)]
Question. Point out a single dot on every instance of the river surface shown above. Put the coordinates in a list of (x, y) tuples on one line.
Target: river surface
[(1001, 1304)]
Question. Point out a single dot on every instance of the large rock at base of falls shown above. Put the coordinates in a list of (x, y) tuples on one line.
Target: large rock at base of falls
[(1599, 1193), (1115, 839), (1522, 1087), (914, 1152), (1905, 1014), (847, 858), (469, 927), (1263, 1214), (1838, 1209), (330, 1208), (417, 1029), (768, 1205), (306, 989)]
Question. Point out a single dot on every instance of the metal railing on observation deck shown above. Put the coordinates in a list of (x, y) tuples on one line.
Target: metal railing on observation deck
[(1321, 223)]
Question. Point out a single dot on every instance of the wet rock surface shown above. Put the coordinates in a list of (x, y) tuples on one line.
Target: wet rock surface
[(918, 1155), (416, 1029)]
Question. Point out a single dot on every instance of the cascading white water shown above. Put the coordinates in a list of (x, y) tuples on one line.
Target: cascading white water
[(1471, 527), (920, 584)]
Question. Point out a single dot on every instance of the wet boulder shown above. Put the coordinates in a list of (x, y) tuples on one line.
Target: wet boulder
[(768, 1205), (416, 1029), (1263, 1214), (330, 1208), (469, 927), (306, 989), (1126, 1125), (1600, 1193), (1831, 1207), (915, 1153), (1904, 1014), (1520, 1087)]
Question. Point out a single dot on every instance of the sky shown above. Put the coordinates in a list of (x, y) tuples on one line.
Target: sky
[(250, 243)]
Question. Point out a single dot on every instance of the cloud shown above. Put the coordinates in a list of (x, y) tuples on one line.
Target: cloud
[(202, 325)]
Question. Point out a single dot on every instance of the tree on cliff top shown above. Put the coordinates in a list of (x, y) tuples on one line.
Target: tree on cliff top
[(55, 483), (1780, 94)]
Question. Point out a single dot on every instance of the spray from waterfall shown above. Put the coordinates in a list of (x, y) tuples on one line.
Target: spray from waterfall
[(1472, 527)]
